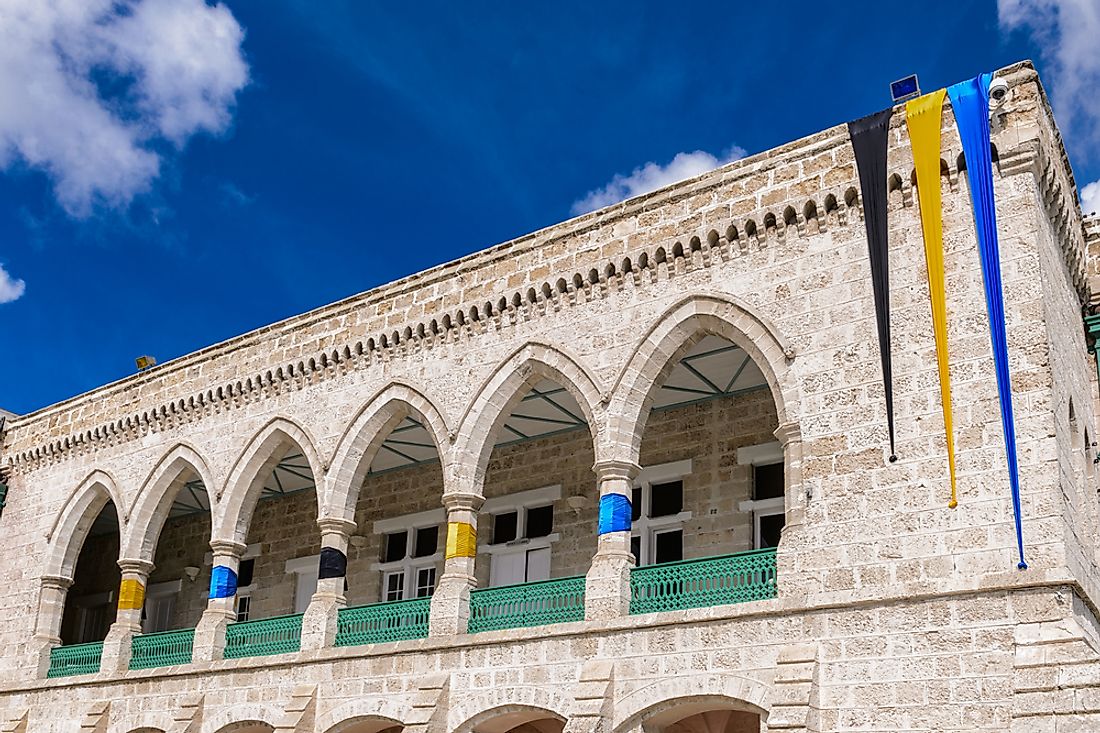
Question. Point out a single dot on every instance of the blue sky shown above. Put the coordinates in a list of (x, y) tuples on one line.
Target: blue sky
[(318, 149)]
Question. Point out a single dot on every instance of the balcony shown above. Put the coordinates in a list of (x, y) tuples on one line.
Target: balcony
[(278, 635), (708, 581), (66, 661), (527, 604), (163, 649), (381, 622)]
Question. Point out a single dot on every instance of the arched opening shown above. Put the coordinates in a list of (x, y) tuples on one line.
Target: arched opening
[(92, 600), (366, 724), (278, 570), (247, 726), (712, 478), (397, 551), (179, 585), (704, 717), (514, 718)]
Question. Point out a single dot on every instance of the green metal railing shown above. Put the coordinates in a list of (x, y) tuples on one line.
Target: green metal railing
[(527, 604), (381, 622), (277, 635), (709, 581), (162, 649), (66, 661)]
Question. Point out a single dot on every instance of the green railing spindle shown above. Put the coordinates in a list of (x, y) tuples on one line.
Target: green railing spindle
[(162, 649), (527, 604), (278, 635), (382, 622), (66, 661), (708, 581)]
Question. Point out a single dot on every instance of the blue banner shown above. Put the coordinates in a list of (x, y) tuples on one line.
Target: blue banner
[(223, 582), (614, 513), (970, 102)]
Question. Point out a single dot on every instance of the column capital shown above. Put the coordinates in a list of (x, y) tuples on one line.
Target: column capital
[(227, 548), (336, 525), (462, 500), (787, 433), (56, 582), (136, 567), (614, 468)]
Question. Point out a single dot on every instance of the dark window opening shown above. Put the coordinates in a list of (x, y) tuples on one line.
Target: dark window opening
[(427, 541), (771, 529), (636, 505), (767, 481), (540, 521), (245, 572), (396, 546), (505, 527), (666, 499), (668, 546), (636, 548)]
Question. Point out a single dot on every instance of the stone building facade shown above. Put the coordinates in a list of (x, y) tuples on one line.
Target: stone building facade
[(707, 351)]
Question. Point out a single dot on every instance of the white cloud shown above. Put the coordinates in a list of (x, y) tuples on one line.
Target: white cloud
[(1066, 32), (1090, 198), (10, 288), (90, 87), (651, 176)]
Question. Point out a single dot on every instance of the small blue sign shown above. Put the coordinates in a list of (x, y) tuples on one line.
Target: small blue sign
[(905, 89)]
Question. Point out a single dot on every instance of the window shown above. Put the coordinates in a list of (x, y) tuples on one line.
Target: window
[(657, 509), (96, 614), (160, 604), (244, 606), (768, 492), (305, 571), (410, 555), (522, 534)]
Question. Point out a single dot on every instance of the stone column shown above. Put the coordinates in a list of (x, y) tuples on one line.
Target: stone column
[(607, 584), (51, 609), (221, 608), (797, 496), (319, 621), (450, 612), (131, 599)]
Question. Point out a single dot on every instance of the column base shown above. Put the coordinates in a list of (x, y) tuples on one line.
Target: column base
[(209, 645), (39, 653), (319, 622), (118, 647), (450, 612), (607, 586)]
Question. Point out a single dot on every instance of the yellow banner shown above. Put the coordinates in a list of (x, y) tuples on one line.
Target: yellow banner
[(923, 117), (131, 595), (461, 540)]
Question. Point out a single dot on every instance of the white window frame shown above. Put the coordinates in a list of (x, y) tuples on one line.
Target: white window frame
[(159, 592), (409, 565), (765, 454), (520, 502), (303, 569), (251, 552), (646, 528)]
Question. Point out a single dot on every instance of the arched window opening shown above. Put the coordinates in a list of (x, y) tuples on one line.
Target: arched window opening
[(893, 183), (830, 204), (659, 255), (547, 292), (578, 282), (851, 198), (769, 223), (627, 267), (732, 234), (677, 251), (809, 211), (789, 217), (750, 229), (681, 509), (92, 600), (594, 276), (643, 261), (176, 594), (960, 163), (695, 245)]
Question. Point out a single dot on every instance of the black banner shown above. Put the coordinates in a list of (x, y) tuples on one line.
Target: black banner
[(334, 564), (870, 137)]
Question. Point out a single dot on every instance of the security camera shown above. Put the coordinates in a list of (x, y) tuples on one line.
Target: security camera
[(998, 91)]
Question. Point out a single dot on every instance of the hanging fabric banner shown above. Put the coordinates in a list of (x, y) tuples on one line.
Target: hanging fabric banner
[(970, 103), (332, 564), (223, 582), (923, 117), (870, 137)]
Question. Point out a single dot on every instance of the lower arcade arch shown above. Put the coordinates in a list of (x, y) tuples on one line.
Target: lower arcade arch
[(705, 717), (366, 724), (514, 719)]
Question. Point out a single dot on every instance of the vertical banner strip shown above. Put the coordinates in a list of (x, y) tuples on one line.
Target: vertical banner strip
[(870, 139), (923, 117), (615, 513), (461, 540), (131, 595), (223, 582), (970, 103)]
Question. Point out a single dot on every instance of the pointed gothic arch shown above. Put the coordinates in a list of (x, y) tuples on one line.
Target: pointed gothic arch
[(66, 538)]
